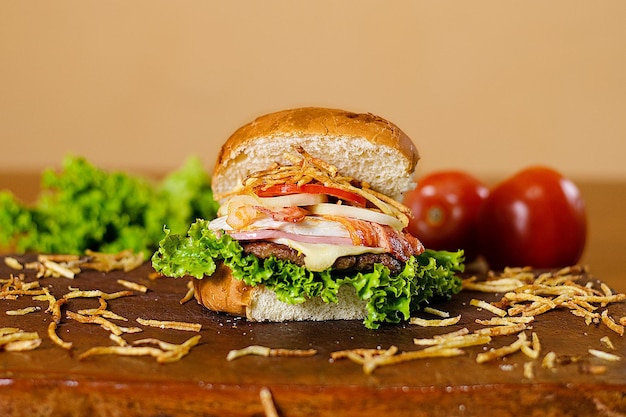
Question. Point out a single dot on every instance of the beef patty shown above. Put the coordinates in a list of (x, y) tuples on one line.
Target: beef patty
[(358, 263)]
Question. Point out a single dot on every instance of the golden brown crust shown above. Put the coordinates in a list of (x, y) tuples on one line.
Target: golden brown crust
[(222, 292), (319, 121)]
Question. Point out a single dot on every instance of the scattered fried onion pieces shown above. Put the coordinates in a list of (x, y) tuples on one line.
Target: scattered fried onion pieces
[(13, 339), (13, 263), (487, 306), (52, 334), (549, 361), (267, 402), (103, 311), (125, 260), (454, 341), (15, 287), (173, 325), (267, 352), (22, 311), (362, 354), (16, 340), (189, 294), (527, 296), (605, 355), (436, 312), (68, 266), (504, 330), (435, 322), (439, 346), (610, 323), (104, 323), (96, 294), (164, 353), (529, 370), (370, 365), (606, 342), (492, 354), (133, 285)]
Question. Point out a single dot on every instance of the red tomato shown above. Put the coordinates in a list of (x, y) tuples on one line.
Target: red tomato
[(535, 218), (446, 206), (283, 189)]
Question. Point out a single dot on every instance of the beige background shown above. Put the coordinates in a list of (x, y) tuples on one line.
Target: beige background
[(487, 86)]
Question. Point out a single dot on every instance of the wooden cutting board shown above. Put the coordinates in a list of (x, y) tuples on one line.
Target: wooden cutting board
[(51, 381)]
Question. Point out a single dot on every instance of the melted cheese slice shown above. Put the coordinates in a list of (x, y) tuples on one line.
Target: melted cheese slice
[(318, 257)]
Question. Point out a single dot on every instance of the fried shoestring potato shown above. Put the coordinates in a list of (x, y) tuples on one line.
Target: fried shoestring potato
[(606, 341), (173, 354), (189, 294), (133, 285), (487, 306), (610, 323), (267, 402), (13, 263), (104, 323), (22, 311), (96, 294), (605, 355), (52, 334), (174, 325), (435, 322), (14, 339), (361, 354), (493, 354), (125, 260), (269, 352), (369, 365)]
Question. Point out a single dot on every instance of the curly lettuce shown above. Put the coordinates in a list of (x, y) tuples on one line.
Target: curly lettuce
[(84, 207), (390, 299)]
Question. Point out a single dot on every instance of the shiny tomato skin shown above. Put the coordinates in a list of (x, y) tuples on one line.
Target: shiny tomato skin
[(535, 218), (446, 206), (283, 189)]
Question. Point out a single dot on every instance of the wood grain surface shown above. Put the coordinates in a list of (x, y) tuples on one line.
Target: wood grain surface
[(52, 381)]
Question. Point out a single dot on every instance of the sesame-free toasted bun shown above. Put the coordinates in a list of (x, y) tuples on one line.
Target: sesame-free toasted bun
[(223, 293), (361, 145)]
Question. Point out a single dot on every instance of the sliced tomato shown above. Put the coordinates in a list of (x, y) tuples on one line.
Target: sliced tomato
[(284, 189)]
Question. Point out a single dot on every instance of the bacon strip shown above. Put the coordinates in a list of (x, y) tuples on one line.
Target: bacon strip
[(401, 245)]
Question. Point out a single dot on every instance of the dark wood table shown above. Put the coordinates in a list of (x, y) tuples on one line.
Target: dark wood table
[(52, 381)]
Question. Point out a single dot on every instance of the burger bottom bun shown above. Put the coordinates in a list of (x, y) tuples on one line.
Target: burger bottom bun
[(223, 293)]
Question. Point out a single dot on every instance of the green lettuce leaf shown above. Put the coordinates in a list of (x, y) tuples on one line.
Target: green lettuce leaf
[(84, 207), (390, 299)]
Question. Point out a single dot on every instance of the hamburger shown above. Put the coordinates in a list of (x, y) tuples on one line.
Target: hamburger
[(310, 226)]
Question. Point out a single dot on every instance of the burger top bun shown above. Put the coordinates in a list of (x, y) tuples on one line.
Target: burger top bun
[(361, 145)]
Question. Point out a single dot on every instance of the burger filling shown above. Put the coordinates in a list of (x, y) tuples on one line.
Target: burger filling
[(304, 231), (307, 213)]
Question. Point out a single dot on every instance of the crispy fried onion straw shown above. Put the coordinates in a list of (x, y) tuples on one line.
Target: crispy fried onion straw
[(267, 402), (528, 296), (173, 325), (267, 352), (371, 359), (16, 340), (164, 353)]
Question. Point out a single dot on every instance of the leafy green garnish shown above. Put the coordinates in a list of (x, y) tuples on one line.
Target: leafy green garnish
[(390, 299), (84, 207)]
